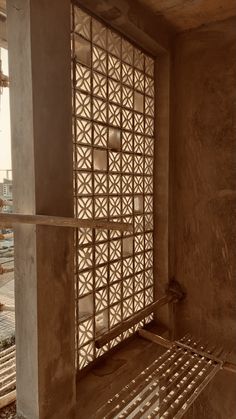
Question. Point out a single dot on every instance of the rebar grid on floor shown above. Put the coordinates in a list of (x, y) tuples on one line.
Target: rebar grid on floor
[(7, 376), (168, 387)]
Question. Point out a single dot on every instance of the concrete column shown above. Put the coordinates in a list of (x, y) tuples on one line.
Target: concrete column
[(40, 89), (162, 233)]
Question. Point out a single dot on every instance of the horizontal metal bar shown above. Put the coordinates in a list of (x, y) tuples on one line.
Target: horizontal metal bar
[(228, 366), (9, 364), (187, 400), (199, 352), (7, 351), (7, 357), (6, 370), (172, 397), (7, 378), (116, 331), (8, 386), (151, 390), (168, 393), (127, 396), (7, 399), (156, 338), (50, 220)]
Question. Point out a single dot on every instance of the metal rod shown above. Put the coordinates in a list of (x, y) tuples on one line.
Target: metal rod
[(128, 394), (150, 391), (7, 351), (50, 220), (176, 380), (116, 331), (156, 339), (195, 393), (199, 352), (228, 366), (182, 385), (7, 399)]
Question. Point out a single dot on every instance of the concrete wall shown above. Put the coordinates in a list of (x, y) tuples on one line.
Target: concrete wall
[(204, 175)]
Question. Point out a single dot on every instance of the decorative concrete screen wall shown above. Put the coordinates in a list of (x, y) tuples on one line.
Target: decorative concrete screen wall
[(113, 135)]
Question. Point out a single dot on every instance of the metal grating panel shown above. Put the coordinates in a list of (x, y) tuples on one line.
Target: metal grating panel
[(113, 135), (165, 389), (7, 376)]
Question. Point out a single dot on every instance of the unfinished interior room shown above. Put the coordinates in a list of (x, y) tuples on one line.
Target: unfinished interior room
[(118, 287)]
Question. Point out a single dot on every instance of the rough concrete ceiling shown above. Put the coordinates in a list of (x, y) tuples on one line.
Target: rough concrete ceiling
[(187, 14)]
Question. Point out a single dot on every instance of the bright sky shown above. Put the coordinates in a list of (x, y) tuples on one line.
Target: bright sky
[(5, 130)]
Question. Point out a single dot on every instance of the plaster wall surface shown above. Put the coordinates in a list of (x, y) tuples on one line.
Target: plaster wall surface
[(204, 173)]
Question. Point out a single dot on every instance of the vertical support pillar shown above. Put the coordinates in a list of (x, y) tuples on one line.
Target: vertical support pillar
[(162, 184), (40, 94)]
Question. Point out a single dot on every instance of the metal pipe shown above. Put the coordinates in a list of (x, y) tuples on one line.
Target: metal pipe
[(116, 331), (50, 220)]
